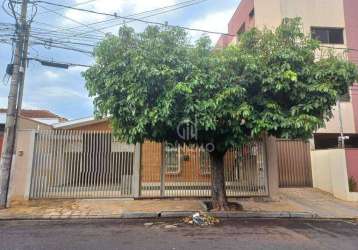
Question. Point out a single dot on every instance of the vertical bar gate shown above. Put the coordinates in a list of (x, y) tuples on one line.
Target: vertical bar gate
[(81, 164), (184, 171), (294, 163)]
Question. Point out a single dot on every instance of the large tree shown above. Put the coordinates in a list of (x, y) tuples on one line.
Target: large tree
[(271, 83)]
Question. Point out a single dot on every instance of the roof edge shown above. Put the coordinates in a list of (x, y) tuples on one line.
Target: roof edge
[(78, 123)]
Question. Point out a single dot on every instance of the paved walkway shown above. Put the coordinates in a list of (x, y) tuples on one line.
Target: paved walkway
[(96, 208), (321, 203), (291, 202)]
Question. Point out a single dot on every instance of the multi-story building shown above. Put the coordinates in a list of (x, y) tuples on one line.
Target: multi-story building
[(334, 23)]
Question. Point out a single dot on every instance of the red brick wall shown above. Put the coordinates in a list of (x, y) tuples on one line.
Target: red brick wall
[(240, 17), (151, 160), (189, 169)]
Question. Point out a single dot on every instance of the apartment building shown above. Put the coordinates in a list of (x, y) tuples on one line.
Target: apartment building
[(335, 24)]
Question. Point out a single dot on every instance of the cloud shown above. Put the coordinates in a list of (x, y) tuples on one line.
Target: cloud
[(60, 92), (51, 75), (215, 21), (114, 6), (25, 104), (77, 69)]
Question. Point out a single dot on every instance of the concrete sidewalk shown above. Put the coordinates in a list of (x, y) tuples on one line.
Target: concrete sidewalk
[(292, 203), (318, 202)]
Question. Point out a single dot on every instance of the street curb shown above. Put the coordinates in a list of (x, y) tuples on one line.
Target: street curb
[(177, 214), (268, 215)]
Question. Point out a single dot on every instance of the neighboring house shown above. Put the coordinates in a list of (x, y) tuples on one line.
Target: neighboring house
[(33, 119), (30, 119), (334, 23)]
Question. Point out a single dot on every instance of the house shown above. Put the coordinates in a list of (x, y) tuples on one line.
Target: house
[(334, 23), (30, 119), (83, 159)]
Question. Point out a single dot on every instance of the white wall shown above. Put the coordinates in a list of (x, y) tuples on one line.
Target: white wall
[(329, 173), (21, 168)]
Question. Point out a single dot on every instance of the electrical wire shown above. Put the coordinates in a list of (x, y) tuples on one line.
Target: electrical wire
[(78, 4), (152, 12), (134, 19), (148, 16), (73, 20)]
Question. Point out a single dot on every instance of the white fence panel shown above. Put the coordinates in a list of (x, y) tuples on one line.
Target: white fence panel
[(81, 164)]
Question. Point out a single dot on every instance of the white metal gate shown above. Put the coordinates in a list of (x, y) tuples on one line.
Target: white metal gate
[(81, 164)]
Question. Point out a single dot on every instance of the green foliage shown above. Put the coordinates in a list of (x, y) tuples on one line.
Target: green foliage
[(150, 82)]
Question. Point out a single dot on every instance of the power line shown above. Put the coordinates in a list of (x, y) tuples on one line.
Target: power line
[(134, 19), (51, 41), (164, 9), (63, 47), (152, 15), (73, 20), (78, 4)]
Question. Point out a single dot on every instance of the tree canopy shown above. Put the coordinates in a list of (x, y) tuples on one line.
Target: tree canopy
[(270, 82)]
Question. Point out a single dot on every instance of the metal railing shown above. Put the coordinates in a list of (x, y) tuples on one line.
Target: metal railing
[(92, 164), (81, 164), (185, 171)]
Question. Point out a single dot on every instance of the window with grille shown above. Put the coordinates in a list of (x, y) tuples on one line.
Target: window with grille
[(328, 35), (172, 159), (205, 162)]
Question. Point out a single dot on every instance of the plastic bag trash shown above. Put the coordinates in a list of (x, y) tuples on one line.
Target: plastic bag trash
[(201, 220), (198, 219)]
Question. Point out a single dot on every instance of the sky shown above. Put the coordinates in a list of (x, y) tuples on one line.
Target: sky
[(63, 91)]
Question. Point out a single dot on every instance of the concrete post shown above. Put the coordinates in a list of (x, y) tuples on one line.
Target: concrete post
[(272, 166), (20, 179)]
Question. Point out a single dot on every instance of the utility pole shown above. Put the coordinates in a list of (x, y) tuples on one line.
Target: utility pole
[(341, 138), (10, 126)]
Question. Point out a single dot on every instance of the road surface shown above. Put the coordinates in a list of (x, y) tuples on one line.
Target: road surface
[(133, 234)]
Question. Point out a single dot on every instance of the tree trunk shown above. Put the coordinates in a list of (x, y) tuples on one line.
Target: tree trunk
[(218, 189)]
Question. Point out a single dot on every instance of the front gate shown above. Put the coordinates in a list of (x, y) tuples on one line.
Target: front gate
[(92, 164), (294, 163), (184, 171), (81, 164)]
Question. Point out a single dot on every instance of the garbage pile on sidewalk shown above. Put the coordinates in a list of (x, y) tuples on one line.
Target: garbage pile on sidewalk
[(201, 220)]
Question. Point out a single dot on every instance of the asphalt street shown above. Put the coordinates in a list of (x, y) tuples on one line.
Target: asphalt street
[(174, 235)]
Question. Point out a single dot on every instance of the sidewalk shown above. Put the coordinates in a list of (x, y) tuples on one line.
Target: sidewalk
[(292, 203), (321, 203)]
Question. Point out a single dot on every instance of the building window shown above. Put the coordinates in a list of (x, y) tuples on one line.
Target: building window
[(328, 35), (172, 159), (205, 162), (252, 13)]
